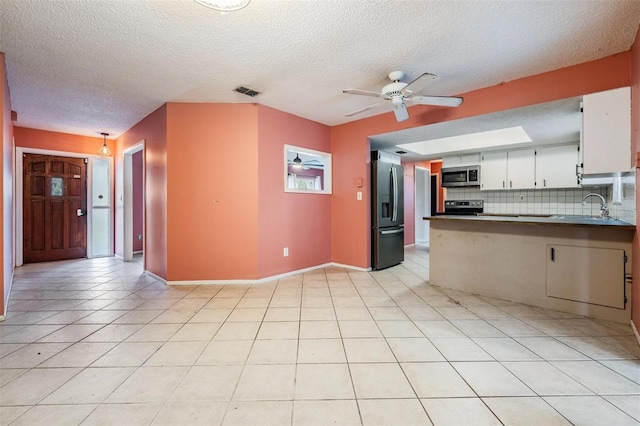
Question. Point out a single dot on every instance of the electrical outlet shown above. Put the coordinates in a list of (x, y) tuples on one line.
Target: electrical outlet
[(521, 197), (285, 252), (359, 196)]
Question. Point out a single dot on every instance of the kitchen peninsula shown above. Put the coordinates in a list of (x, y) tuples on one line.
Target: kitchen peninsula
[(572, 264)]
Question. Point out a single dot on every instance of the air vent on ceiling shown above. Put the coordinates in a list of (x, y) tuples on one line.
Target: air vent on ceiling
[(246, 91), (401, 152)]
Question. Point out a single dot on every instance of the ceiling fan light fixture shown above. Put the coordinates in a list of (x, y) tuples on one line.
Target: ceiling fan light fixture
[(297, 162), (224, 5), (104, 149)]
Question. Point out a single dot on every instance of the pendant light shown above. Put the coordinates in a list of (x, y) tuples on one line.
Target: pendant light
[(297, 162), (224, 5), (104, 149)]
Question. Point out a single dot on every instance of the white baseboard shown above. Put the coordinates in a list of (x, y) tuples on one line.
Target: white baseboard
[(162, 280), (266, 279), (8, 293), (138, 252), (635, 332), (2, 318)]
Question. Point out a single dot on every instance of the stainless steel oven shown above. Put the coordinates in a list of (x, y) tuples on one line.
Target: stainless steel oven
[(463, 207)]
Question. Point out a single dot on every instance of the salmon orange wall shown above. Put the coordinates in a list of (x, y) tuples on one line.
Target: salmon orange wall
[(635, 144), (351, 241), (153, 130), (54, 141), (300, 222), (212, 191), (6, 257)]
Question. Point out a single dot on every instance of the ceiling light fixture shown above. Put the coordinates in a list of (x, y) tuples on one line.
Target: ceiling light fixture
[(297, 162), (224, 5), (104, 149)]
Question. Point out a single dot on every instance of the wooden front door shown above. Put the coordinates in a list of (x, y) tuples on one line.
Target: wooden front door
[(55, 205)]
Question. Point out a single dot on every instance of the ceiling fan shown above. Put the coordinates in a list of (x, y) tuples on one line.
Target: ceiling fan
[(398, 92), (297, 163)]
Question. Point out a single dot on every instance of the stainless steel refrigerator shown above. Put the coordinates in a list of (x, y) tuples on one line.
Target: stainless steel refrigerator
[(387, 210)]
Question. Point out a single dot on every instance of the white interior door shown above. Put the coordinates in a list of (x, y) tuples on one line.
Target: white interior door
[(422, 205)]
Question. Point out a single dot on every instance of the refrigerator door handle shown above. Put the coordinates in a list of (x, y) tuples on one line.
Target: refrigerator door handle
[(394, 180), (395, 231)]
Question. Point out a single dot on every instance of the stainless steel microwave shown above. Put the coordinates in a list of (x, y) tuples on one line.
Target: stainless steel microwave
[(460, 176)]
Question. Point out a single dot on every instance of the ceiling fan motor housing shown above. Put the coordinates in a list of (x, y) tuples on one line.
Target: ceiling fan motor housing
[(392, 90)]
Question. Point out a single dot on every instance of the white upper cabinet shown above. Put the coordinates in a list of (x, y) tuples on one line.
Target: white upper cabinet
[(606, 131), (508, 170), (493, 170), (461, 160), (556, 166), (521, 169)]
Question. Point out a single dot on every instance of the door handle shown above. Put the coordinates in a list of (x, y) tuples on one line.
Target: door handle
[(80, 212), (553, 254), (395, 231)]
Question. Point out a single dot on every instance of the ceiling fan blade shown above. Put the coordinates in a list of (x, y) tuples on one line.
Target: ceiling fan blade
[(447, 101), (418, 84), (364, 109), (400, 110), (361, 92)]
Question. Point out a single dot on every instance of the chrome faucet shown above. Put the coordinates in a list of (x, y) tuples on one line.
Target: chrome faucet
[(604, 211)]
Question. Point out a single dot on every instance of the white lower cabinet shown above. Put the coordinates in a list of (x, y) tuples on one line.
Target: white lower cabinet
[(556, 166), (586, 274)]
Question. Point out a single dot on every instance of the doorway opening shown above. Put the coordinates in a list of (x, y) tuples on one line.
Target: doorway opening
[(422, 205), (133, 203)]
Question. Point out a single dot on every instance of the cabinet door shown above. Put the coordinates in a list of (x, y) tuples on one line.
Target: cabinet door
[(451, 161), (606, 131), (521, 169), (493, 170), (586, 274), (556, 166)]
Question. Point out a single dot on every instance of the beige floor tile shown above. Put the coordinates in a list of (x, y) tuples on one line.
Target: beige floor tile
[(460, 349), (411, 349), (65, 317), (8, 374), (552, 327), (317, 314), (314, 413), (208, 383), (589, 410), (247, 315), (222, 302), (190, 304), (491, 379), (459, 412), (456, 313), (525, 411), (551, 349), (32, 355), (211, 315), (266, 382), (595, 348), (629, 368), (315, 351), (515, 328), (9, 414), (71, 333), (123, 414), (193, 332), (270, 413), (154, 333), (438, 329), (34, 385), (505, 349), (278, 330), (174, 316), (128, 354), (399, 329), (90, 386), (436, 380), (114, 333), (477, 328), (545, 379), (79, 355), (323, 381), (352, 314), (7, 348), (138, 317), (406, 412), (422, 313), (31, 333), (191, 413), (101, 317), (319, 330), (350, 329), (598, 378), (225, 352), (273, 352), (282, 314), (630, 404), (280, 301), (47, 415), (380, 381), (176, 354), (148, 384), (368, 350), (388, 313), (237, 331)]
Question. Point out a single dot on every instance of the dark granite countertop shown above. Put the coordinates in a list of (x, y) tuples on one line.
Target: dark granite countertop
[(540, 220)]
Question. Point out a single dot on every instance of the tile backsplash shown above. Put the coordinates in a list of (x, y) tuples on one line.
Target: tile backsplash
[(555, 201)]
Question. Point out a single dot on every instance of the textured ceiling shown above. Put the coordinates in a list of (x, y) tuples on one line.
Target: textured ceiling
[(102, 65)]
